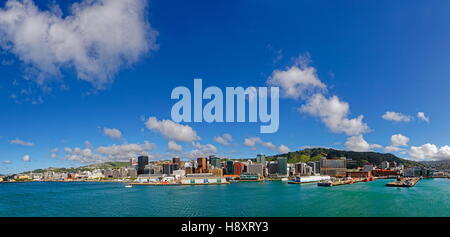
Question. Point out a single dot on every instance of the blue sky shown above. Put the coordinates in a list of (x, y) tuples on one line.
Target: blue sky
[(374, 56)]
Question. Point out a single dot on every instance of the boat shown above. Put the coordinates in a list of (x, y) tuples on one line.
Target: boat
[(309, 179), (328, 183), (128, 186), (284, 179)]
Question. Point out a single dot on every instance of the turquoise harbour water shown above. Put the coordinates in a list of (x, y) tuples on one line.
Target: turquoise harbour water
[(430, 197)]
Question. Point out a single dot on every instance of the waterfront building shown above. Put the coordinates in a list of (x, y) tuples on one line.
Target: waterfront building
[(176, 160), (418, 172), (153, 169), (200, 175), (115, 174), (333, 167), (272, 168), (142, 162), (384, 172), (249, 176), (359, 174), (303, 169), (216, 172), (229, 167), (108, 173), (238, 168), (149, 178), (202, 166), (393, 164), (178, 174), (132, 173), (315, 165), (203, 180), (368, 168), (384, 165), (214, 161), (351, 164), (167, 169), (261, 158), (282, 166), (256, 169)]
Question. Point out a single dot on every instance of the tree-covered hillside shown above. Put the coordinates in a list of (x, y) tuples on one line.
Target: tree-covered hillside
[(362, 158), (106, 165)]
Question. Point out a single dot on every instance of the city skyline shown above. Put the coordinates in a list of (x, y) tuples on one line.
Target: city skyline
[(346, 76)]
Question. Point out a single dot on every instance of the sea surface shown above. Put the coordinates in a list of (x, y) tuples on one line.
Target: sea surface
[(430, 197)]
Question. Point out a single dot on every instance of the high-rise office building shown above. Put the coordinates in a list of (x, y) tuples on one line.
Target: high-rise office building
[(176, 160), (238, 168), (202, 165), (169, 168), (333, 167), (315, 165), (229, 167), (256, 169), (214, 161), (385, 165), (261, 158), (142, 162), (282, 166), (272, 167)]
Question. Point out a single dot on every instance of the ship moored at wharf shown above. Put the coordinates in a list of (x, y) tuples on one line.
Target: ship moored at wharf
[(404, 182), (309, 179)]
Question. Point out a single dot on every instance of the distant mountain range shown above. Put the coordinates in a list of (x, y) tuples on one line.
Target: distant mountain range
[(361, 158)]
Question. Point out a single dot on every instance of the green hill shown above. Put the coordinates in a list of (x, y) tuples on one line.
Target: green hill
[(361, 158), (105, 165)]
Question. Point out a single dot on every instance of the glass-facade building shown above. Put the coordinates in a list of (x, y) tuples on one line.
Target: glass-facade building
[(282, 166)]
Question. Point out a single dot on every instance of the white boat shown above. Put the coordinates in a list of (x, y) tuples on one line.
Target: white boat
[(311, 179), (128, 186), (284, 179)]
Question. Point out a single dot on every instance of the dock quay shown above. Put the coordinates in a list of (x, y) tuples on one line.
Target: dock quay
[(173, 184), (404, 182), (331, 183), (335, 183)]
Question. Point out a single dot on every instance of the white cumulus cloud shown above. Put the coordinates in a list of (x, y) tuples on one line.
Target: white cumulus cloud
[(283, 149), (173, 146), (172, 130), (225, 139), (108, 153), (334, 113), (97, 38), (201, 150), (422, 116), (296, 81), (112, 133), (395, 116), (253, 141), (430, 152), (399, 140), (357, 143)]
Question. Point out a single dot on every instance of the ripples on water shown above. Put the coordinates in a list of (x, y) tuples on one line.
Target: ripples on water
[(428, 198)]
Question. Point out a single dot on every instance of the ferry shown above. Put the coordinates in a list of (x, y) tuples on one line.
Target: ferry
[(309, 179)]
